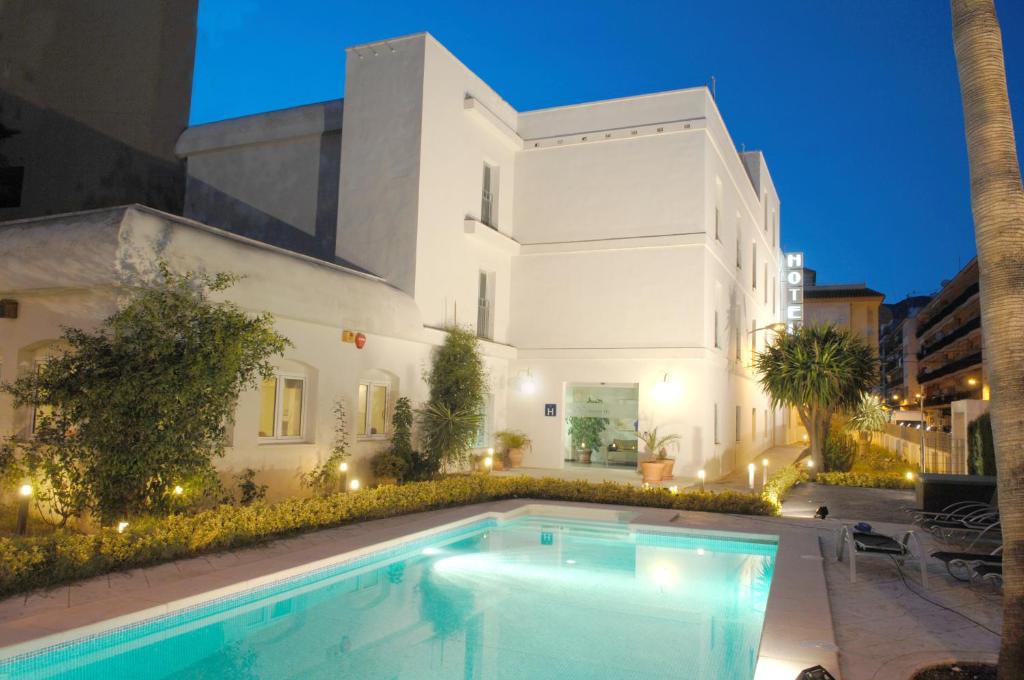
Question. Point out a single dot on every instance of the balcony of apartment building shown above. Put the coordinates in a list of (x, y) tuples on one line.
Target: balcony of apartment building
[(946, 377), (957, 303)]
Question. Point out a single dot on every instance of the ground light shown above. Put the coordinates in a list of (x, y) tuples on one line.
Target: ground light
[(121, 526), (24, 494), (764, 472), (910, 476), (178, 490), (750, 475), (701, 475), (354, 485)]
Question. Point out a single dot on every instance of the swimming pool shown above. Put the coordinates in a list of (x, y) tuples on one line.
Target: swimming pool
[(530, 597)]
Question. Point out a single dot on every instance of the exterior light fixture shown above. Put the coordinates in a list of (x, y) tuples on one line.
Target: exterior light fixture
[(764, 472), (806, 437), (778, 327), (488, 462), (667, 390), (673, 489), (121, 526), (972, 381), (178, 490), (527, 385), (750, 475), (343, 467), (910, 476), (25, 492), (810, 462), (354, 485), (701, 475)]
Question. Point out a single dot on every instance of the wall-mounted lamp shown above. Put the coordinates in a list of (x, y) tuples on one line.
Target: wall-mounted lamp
[(527, 385), (667, 390)]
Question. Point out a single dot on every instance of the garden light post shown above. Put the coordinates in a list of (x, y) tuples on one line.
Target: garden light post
[(750, 475), (764, 472), (701, 475), (24, 496), (343, 471)]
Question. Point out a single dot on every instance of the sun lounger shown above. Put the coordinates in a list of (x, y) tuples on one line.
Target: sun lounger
[(871, 543), (965, 561)]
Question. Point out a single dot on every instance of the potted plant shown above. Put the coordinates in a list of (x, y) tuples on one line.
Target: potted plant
[(659, 465), (512, 443), (585, 434)]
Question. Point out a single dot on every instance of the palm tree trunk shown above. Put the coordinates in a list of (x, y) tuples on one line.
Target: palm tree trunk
[(997, 201)]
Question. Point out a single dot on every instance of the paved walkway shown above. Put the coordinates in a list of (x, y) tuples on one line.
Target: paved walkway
[(738, 479)]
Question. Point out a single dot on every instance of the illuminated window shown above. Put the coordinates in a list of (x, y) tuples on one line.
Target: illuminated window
[(372, 415), (282, 407)]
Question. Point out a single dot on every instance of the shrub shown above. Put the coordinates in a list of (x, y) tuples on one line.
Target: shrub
[(62, 556), (249, 491), (982, 451), (779, 484), (875, 458), (145, 400), (840, 452), (453, 414), (387, 464), (880, 480)]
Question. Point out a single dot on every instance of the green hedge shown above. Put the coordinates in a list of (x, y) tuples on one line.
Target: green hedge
[(873, 480), (779, 484), (63, 556)]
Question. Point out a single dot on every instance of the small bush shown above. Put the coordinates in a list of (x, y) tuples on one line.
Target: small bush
[(779, 484), (840, 452), (877, 458), (389, 465), (880, 480), (61, 557)]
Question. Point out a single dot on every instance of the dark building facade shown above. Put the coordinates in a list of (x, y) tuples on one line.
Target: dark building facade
[(93, 97), (950, 358)]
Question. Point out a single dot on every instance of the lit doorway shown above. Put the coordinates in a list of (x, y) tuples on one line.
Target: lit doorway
[(600, 426)]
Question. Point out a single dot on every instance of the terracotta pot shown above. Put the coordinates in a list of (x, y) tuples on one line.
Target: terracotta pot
[(498, 463), (515, 457), (584, 455), (652, 470), (666, 473)]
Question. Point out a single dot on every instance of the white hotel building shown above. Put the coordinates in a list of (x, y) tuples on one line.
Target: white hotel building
[(617, 258)]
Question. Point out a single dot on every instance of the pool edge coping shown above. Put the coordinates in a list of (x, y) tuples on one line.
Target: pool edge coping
[(774, 637)]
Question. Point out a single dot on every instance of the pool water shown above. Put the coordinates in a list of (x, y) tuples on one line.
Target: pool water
[(533, 597)]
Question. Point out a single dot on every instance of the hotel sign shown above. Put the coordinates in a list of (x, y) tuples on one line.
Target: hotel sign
[(793, 290)]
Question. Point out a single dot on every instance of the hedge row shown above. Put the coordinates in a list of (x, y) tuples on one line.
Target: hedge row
[(779, 484), (872, 480), (63, 556)]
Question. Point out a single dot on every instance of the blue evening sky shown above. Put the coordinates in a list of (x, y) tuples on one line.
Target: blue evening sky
[(855, 104)]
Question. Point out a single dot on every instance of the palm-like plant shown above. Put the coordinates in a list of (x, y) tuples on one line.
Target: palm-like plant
[(997, 201), (870, 415), (448, 433), (656, 445), (819, 371)]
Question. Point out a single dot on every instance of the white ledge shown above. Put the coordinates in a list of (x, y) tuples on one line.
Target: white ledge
[(491, 237), (486, 117)]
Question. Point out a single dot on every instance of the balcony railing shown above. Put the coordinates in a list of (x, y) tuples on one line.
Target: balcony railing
[(484, 327), (949, 397), (964, 330), (952, 367), (944, 311), (487, 209)]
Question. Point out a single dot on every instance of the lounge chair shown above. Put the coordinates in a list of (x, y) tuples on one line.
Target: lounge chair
[(965, 562), (952, 511), (992, 573), (870, 543)]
